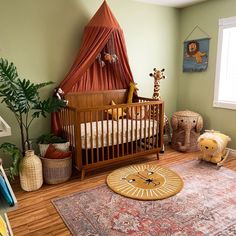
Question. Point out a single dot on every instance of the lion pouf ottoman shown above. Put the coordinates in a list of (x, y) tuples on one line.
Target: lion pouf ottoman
[(213, 147)]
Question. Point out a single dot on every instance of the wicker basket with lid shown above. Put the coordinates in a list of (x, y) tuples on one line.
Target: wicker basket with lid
[(186, 127)]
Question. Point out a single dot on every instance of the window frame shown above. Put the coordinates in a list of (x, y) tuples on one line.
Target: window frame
[(224, 23)]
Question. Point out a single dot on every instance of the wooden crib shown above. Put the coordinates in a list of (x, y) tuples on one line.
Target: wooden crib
[(99, 139)]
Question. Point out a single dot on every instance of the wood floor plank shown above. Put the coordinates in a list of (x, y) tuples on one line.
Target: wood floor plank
[(37, 216)]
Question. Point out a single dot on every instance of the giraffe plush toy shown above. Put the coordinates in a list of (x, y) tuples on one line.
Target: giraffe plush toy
[(159, 75)]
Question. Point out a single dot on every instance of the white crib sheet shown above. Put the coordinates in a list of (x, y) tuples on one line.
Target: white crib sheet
[(100, 134)]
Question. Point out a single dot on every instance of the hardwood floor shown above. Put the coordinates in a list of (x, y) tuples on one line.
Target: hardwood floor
[(37, 216)]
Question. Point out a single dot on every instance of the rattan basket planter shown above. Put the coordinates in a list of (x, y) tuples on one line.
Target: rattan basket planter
[(56, 171)]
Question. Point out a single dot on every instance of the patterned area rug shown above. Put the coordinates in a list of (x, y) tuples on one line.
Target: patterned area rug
[(145, 182), (205, 206)]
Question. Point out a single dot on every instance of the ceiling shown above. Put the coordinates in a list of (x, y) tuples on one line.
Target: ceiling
[(173, 3)]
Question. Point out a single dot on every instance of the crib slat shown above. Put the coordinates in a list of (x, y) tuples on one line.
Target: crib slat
[(157, 124), (97, 136), (102, 123), (108, 153), (72, 141), (112, 136), (153, 128), (132, 128), (141, 124), (117, 134), (127, 133), (91, 130), (145, 132), (86, 138), (77, 132), (70, 127), (66, 121), (67, 118), (72, 123), (122, 133), (149, 128)]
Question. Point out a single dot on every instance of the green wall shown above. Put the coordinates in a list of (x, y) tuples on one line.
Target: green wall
[(196, 90), (43, 37)]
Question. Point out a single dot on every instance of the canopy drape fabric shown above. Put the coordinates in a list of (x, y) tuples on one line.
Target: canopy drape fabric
[(91, 69), (103, 32)]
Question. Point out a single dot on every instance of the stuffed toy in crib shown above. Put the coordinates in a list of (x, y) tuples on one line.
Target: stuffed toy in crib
[(139, 112), (59, 94), (213, 145)]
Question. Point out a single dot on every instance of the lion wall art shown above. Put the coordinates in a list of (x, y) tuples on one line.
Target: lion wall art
[(196, 55)]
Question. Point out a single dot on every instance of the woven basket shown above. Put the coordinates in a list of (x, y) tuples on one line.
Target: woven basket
[(56, 171), (31, 175), (60, 146)]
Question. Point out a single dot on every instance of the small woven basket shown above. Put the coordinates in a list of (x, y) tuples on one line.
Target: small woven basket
[(56, 171)]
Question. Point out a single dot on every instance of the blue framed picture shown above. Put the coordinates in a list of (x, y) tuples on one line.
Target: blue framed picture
[(196, 55)]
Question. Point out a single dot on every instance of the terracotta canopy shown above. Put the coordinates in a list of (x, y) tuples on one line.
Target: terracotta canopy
[(91, 71), (102, 61)]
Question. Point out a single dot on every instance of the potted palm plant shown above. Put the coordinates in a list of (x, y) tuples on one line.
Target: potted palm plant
[(22, 98)]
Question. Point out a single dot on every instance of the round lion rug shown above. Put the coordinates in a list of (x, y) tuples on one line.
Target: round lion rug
[(145, 182)]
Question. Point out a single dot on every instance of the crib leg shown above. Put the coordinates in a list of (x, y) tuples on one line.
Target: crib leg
[(158, 156), (162, 149), (82, 174)]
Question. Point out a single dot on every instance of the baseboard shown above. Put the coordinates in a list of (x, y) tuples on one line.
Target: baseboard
[(166, 140)]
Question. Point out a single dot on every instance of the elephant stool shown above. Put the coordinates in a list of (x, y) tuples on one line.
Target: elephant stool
[(186, 126)]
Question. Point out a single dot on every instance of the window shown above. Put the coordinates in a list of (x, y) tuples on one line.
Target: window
[(225, 81)]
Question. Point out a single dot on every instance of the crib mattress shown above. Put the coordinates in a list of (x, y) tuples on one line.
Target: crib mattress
[(110, 132)]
